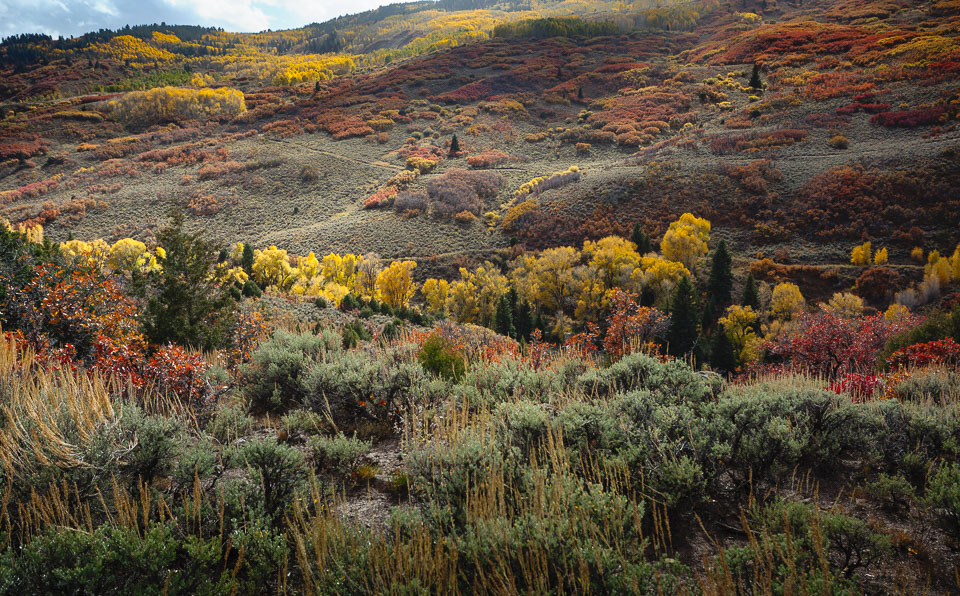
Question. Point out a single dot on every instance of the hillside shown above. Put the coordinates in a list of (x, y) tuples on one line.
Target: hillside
[(480, 296)]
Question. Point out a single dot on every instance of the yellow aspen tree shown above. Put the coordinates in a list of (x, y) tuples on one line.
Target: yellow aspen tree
[(860, 255), (435, 293), (880, 257), (395, 285), (787, 301), (686, 240)]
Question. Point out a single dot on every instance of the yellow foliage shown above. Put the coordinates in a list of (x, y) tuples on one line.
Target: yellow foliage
[(168, 104), (614, 257), (227, 274), (896, 312), (395, 285), (917, 254), (787, 301), (548, 279), (686, 240), (271, 267), (124, 254), (845, 304), (435, 292), (515, 212), (860, 255), (738, 324), (880, 257), (95, 250), (939, 268), (659, 274)]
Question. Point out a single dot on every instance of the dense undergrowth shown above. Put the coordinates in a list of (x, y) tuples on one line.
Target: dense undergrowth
[(133, 466)]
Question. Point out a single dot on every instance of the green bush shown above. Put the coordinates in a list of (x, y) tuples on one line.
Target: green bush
[(158, 560), (251, 289), (278, 469), (199, 461), (438, 356), (273, 377), (943, 496), (340, 454), (894, 492), (336, 386), (229, 424), (941, 386), (156, 441)]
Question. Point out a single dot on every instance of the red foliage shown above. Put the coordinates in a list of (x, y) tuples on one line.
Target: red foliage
[(24, 150), (944, 351), (750, 142), (754, 176), (829, 344), (489, 159), (631, 325), (870, 108), (176, 371), (909, 118), (859, 387), (382, 198), (877, 283)]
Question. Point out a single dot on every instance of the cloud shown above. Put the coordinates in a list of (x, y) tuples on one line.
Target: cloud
[(75, 17)]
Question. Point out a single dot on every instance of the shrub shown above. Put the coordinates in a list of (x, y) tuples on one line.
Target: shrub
[(459, 190), (279, 470), (338, 454), (115, 560), (909, 118), (273, 379), (943, 496), (229, 424), (308, 174), (156, 440), (440, 356), (839, 142), (353, 387), (893, 492)]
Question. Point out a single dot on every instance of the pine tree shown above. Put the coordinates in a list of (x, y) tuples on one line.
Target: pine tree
[(641, 239), (184, 305), (722, 358), (454, 146), (750, 297), (580, 92), (503, 319), (720, 284), (246, 259), (524, 321), (755, 81), (684, 318)]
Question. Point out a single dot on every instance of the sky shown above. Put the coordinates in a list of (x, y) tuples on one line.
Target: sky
[(74, 17)]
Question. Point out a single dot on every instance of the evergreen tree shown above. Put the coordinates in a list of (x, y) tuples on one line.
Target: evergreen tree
[(720, 284), (755, 77), (454, 146), (580, 92), (184, 305), (524, 321), (503, 319), (750, 297), (246, 259), (641, 239), (722, 358), (684, 318)]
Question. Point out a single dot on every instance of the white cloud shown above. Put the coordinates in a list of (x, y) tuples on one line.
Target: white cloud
[(74, 17), (235, 15)]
